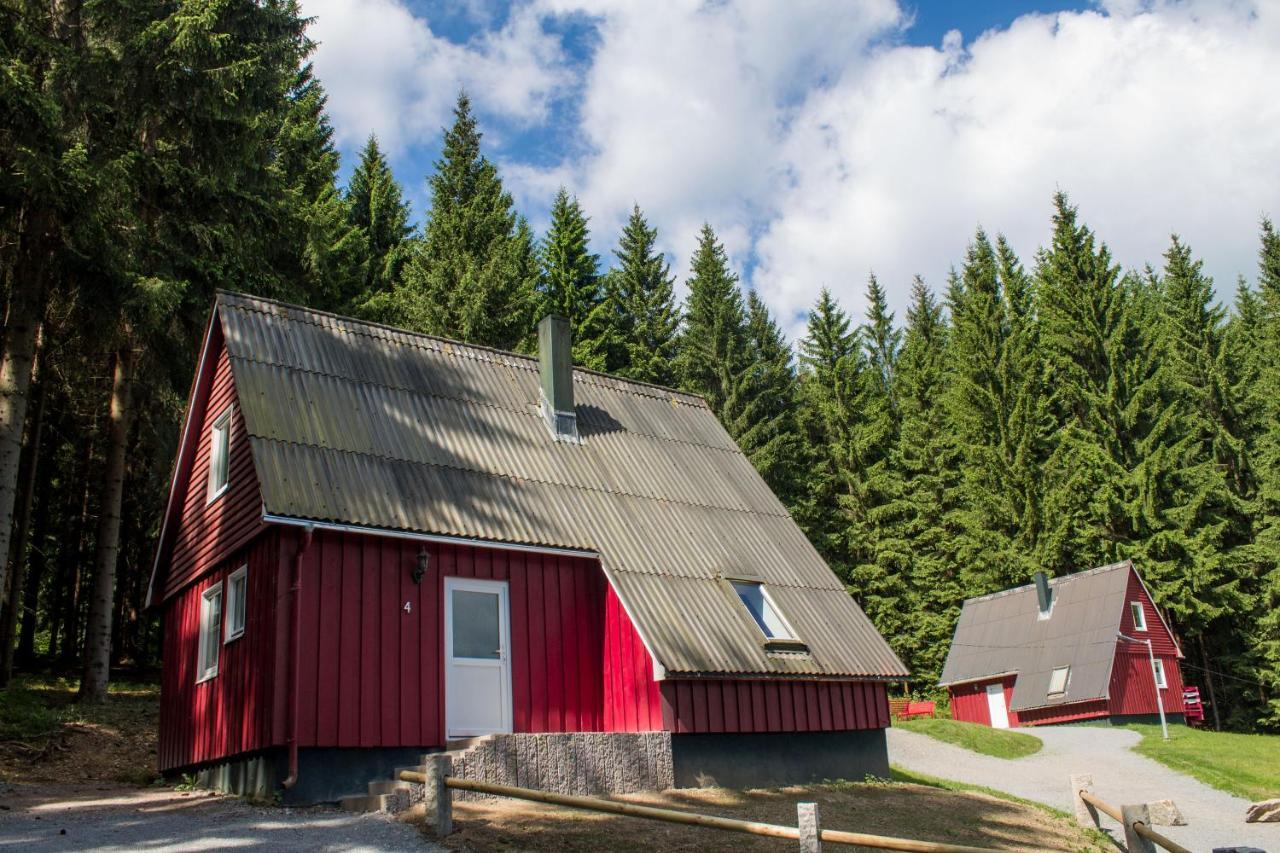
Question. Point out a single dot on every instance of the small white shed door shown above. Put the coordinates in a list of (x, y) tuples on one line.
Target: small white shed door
[(995, 704), (477, 654)]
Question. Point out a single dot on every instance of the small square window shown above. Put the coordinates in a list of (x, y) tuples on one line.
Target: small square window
[(220, 455), (1157, 667), (1139, 615), (1058, 679), (210, 631), (762, 609), (237, 590)]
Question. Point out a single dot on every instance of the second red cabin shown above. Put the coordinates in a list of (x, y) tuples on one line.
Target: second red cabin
[(1065, 650)]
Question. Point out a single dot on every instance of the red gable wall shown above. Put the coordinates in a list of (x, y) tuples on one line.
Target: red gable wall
[(1133, 689), (205, 533)]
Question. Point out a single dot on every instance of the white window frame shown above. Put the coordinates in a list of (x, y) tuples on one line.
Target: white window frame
[(1157, 668), (206, 669), (221, 426), (1139, 615), (235, 606), (790, 636), (1066, 680)]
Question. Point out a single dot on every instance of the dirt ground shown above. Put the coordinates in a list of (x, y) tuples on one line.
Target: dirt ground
[(917, 811), (115, 742)]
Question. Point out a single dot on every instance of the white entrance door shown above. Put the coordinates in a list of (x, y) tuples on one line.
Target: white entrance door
[(477, 657), (995, 704)]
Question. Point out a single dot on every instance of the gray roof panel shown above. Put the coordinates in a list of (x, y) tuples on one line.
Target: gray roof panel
[(361, 424)]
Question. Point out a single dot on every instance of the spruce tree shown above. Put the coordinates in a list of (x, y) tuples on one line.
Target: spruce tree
[(570, 283), (929, 464), (633, 331), (828, 383), (474, 273), (377, 206), (713, 341)]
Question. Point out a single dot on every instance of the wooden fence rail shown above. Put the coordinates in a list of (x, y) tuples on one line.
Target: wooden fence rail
[(1136, 820), (440, 814)]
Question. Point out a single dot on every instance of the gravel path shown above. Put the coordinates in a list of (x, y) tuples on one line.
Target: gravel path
[(1214, 818), (46, 817)]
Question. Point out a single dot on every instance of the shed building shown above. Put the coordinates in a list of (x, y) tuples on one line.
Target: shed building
[(1065, 650), (379, 542)]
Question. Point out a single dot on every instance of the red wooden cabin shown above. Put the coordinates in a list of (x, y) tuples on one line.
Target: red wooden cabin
[(1064, 650), (377, 542)]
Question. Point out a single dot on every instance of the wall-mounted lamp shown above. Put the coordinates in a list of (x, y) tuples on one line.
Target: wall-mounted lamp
[(424, 563)]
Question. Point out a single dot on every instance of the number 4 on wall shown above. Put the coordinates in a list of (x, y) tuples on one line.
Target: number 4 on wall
[(408, 607)]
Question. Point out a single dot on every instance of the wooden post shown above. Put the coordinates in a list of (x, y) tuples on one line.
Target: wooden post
[(810, 827), (437, 798), (1086, 814), (1132, 840)]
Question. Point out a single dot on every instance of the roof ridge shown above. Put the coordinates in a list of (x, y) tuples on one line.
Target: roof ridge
[(507, 476), (1054, 581), (221, 292), (732, 451)]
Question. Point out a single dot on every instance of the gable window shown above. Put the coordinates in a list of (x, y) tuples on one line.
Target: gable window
[(1058, 679), (237, 589), (1157, 666), (210, 630), (1139, 616), (219, 455), (762, 609)]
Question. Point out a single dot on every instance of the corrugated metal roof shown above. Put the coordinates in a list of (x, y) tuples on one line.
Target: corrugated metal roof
[(1002, 633), (361, 424)]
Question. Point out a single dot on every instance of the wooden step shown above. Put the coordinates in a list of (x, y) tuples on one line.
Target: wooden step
[(388, 786)]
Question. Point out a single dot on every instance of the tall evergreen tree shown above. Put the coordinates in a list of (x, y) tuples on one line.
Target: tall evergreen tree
[(377, 206), (929, 464), (570, 282), (713, 342), (633, 331), (473, 276)]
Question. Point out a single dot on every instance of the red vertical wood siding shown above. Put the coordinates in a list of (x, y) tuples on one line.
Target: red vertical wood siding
[(1071, 713), (372, 671), (205, 533), (233, 711), (969, 701), (1133, 689), (1162, 642), (632, 699), (739, 706)]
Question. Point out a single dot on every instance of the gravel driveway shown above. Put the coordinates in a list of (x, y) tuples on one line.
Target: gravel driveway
[(48, 817), (1214, 819)]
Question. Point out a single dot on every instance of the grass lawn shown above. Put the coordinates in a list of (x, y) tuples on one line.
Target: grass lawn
[(1001, 743), (1245, 765), (929, 811)]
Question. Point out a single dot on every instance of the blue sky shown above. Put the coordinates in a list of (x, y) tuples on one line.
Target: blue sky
[(827, 140)]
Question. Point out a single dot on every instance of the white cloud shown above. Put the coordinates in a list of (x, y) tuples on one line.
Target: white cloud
[(387, 72), (1158, 120), (822, 149)]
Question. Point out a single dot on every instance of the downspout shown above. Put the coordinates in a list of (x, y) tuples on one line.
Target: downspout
[(295, 642)]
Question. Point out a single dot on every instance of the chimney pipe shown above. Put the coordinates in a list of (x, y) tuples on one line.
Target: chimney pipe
[(1044, 595), (555, 366)]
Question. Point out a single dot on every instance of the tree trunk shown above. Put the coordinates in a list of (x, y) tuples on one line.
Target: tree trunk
[(71, 557), (37, 568), (1208, 683), (29, 467), (26, 304), (97, 634)]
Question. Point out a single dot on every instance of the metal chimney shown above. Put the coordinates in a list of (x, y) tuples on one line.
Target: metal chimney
[(555, 365), (1044, 595)]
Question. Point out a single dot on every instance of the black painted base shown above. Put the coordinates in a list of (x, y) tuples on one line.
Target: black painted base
[(1152, 719), (325, 775), (772, 760)]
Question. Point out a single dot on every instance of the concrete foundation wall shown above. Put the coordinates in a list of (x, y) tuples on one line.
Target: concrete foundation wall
[(583, 763), (771, 760)]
